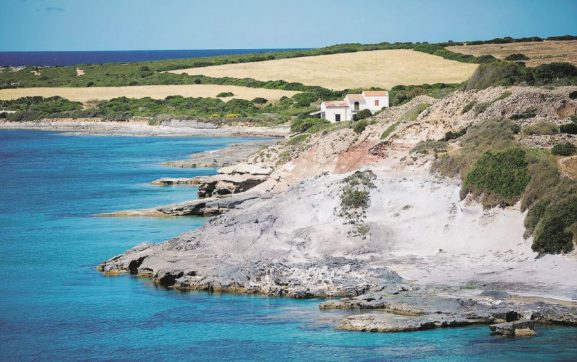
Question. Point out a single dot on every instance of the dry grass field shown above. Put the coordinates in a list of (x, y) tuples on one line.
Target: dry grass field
[(152, 91), (381, 68), (538, 52)]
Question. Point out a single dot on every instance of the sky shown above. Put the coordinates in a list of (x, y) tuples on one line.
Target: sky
[(43, 25)]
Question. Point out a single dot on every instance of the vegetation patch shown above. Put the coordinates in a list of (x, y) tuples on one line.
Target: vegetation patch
[(498, 177), (355, 199), (402, 94), (493, 167), (569, 128), (426, 147), (506, 73), (298, 139), (389, 130), (365, 113), (528, 113), (541, 128), (412, 114), (302, 125), (225, 94), (517, 57), (564, 149)]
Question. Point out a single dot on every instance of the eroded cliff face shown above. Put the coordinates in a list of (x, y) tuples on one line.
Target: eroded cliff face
[(297, 236)]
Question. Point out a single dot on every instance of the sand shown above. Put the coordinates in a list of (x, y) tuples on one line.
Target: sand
[(152, 91), (538, 52), (381, 68)]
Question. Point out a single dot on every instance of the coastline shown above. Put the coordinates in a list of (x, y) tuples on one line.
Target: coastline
[(403, 253), (141, 128)]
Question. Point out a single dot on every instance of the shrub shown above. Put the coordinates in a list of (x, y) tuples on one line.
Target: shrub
[(564, 149), (424, 147), (353, 199), (412, 114), (302, 125), (359, 126), (498, 73), (365, 113), (516, 57), (501, 177), (225, 94), (553, 234), (298, 139), (454, 135), (305, 99), (541, 128), (573, 95), (569, 128), (259, 100)]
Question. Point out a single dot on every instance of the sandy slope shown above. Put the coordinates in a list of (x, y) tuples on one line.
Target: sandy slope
[(381, 68)]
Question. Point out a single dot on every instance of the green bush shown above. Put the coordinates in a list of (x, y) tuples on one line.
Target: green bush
[(424, 147), (555, 231), (402, 94), (298, 139), (259, 100), (541, 128), (564, 149), (573, 95), (359, 126), (354, 199), (365, 113), (569, 128), (500, 176), (454, 135), (516, 57), (302, 125), (225, 94), (389, 130), (413, 113)]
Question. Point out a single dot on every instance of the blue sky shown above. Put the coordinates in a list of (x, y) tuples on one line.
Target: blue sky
[(213, 24)]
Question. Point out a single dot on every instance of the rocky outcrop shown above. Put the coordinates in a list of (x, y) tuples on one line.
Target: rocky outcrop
[(201, 207), (225, 184), (171, 181), (512, 329)]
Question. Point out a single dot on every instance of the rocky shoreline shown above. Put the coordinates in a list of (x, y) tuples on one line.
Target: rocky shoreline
[(141, 128), (361, 222)]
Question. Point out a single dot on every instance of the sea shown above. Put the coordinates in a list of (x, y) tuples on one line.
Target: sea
[(55, 306), (48, 58)]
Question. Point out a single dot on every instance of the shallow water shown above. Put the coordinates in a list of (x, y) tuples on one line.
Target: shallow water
[(54, 305)]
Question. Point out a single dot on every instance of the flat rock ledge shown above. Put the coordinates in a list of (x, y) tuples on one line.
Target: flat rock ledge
[(200, 207), (406, 307)]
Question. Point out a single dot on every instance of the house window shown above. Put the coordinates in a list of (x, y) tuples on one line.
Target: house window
[(337, 117), (356, 106), (376, 102)]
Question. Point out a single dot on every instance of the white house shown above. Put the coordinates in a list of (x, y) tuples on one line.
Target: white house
[(336, 111)]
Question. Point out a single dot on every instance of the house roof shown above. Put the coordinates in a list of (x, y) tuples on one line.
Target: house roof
[(375, 93), (336, 104), (355, 97)]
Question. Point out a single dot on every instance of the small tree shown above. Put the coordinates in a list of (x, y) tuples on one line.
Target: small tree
[(365, 113)]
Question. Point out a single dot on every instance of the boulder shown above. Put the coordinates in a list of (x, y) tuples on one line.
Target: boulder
[(518, 328)]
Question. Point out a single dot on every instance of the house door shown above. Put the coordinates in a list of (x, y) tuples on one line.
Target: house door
[(337, 117)]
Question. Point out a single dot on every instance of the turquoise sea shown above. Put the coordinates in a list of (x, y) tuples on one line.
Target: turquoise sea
[(54, 305)]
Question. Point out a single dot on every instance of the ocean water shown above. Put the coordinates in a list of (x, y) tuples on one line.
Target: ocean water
[(47, 58), (55, 306)]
